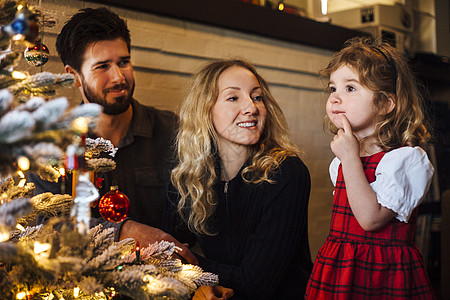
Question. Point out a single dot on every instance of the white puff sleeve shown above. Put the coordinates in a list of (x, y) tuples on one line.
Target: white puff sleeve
[(334, 167), (403, 176)]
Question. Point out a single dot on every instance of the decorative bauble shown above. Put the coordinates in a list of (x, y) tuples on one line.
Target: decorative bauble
[(36, 55), (114, 205)]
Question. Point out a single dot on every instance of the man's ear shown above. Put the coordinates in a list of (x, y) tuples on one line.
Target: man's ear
[(71, 70)]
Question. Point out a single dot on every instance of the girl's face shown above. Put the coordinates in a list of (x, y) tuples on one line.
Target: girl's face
[(239, 113), (348, 97)]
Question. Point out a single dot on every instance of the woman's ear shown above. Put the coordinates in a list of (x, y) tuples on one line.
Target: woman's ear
[(71, 70)]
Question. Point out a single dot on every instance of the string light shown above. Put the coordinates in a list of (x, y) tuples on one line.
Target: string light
[(41, 248), (23, 295), (22, 180), (4, 236), (23, 163), (80, 124), (20, 227), (18, 75), (138, 251), (76, 292)]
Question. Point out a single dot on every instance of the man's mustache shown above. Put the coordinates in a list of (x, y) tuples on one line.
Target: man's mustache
[(122, 86)]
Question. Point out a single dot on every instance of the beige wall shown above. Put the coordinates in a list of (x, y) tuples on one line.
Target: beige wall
[(165, 52)]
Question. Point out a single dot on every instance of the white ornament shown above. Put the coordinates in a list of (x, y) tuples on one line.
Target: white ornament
[(85, 194)]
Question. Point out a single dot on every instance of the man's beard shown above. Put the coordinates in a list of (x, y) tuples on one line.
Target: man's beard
[(120, 105)]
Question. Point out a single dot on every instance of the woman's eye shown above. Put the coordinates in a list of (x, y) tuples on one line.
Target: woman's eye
[(257, 98), (234, 98), (123, 63)]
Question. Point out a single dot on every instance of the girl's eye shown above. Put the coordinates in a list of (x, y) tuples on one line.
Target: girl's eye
[(331, 89), (350, 88)]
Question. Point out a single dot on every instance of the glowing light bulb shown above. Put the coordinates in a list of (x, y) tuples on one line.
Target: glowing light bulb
[(24, 163), (80, 124), (4, 236), (22, 182), (281, 6), (18, 75), (39, 248), (23, 295), (20, 227), (18, 37), (76, 292)]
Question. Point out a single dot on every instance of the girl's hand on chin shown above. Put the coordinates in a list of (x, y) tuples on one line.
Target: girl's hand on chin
[(345, 144)]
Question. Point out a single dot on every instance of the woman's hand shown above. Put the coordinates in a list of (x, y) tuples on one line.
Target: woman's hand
[(213, 293), (146, 235)]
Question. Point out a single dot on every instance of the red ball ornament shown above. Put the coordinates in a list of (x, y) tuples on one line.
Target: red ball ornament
[(114, 205), (36, 55)]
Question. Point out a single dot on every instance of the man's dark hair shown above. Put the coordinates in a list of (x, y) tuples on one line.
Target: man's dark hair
[(87, 26)]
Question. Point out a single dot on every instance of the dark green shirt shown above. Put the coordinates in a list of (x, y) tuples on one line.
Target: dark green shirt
[(143, 165)]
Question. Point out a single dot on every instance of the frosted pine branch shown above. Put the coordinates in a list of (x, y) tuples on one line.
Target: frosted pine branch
[(50, 112), (13, 209), (32, 104), (49, 205), (6, 99), (64, 80), (16, 125), (90, 111), (42, 83), (43, 151), (101, 164), (96, 146), (9, 60), (47, 172), (29, 233)]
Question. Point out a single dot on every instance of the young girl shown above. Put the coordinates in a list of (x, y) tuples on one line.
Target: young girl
[(380, 175)]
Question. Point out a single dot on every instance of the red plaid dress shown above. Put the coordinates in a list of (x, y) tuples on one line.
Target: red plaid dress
[(358, 264)]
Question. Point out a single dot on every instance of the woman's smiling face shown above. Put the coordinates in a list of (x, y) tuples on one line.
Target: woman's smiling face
[(239, 113)]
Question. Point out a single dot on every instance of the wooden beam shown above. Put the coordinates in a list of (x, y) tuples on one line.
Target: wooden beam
[(245, 17)]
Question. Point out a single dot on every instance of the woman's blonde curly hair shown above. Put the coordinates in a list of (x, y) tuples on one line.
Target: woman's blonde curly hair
[(383, 70), (195, 174)]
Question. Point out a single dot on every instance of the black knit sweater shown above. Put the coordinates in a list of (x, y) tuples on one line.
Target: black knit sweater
[(261, 248)]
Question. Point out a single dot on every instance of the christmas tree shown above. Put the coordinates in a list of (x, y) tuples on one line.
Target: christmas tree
[(62, 258)]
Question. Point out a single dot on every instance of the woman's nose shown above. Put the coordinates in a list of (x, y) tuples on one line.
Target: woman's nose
[(250, 107)]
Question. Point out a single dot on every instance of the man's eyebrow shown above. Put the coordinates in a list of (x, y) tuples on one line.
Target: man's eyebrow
[(128, 57), (102, 62)]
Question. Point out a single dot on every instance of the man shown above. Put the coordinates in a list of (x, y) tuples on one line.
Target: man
[(94, 46)]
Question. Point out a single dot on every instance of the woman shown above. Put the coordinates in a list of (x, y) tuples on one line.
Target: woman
[(240, 186)]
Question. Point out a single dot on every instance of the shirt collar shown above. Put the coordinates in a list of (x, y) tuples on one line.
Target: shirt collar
[(142, 122), (141, 125)]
